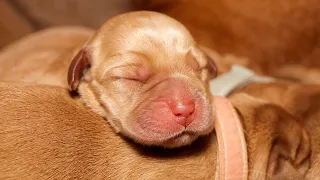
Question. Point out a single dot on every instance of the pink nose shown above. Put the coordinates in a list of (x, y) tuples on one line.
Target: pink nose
[(183, 111)]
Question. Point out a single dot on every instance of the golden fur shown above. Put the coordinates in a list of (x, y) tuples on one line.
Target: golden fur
[(136, 59), (278, 145), (42, 57), (40, 138), (136, 62)]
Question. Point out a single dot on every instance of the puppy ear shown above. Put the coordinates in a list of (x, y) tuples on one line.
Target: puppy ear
[(198, 53), (76, 69), (290, 153), (213, 70)]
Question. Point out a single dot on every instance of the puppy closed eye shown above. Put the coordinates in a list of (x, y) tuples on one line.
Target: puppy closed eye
[(131, 73)]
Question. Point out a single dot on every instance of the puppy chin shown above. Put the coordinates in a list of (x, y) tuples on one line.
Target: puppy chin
[(174, 140), (181, 140)]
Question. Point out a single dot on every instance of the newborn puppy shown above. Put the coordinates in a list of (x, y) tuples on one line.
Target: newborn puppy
[(144, 73)]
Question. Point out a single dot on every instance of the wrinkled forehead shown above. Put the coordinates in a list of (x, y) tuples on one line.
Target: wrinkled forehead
[(153, 37), (164, 40)]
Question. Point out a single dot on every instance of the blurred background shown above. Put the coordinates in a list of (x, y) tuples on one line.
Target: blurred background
[(268, 31), (21, 17)]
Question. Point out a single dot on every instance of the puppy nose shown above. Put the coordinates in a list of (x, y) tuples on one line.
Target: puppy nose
[(182, 111)]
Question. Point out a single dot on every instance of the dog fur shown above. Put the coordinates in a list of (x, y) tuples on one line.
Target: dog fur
[(273, 153), (42, 57), (40, 138), (156, 69)]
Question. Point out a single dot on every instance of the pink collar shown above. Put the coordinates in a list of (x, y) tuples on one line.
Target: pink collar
[(232, 154)]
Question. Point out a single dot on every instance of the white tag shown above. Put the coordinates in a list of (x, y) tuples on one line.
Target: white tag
[(237, 77)]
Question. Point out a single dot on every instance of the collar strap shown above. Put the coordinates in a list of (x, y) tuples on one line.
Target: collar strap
[(237, 77), (232, 148)]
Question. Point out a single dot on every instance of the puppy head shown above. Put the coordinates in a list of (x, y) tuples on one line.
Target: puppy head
[(144, 73)]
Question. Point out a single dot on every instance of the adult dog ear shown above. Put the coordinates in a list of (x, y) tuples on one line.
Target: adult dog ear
[(76, 69), (290, 153)]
